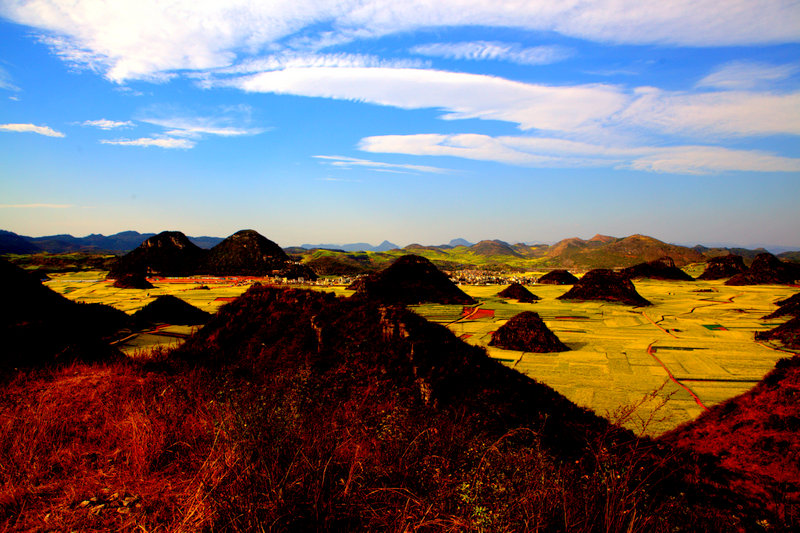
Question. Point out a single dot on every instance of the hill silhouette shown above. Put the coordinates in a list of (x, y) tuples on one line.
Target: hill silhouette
[(662, 268), (767, 269), (38, 325), (754, 433), (246, 252), (169, 253), (133, 281), (605, 285), (388, 405), (788, 306), (558, 277), (787, 333), (527, 332), (518, 292), (411, 279), (168, 309), (11, 243), (723, 266)]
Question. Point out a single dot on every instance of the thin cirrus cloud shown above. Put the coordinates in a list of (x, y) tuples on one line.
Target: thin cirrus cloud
[(105, 124), (551, 152), (160, 142), (378, 166), (495, 51), (288, 59), (31, 128), (195, 127), (745, 75), (139, 39)]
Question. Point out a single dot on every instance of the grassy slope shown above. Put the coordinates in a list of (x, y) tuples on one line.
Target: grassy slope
[(324, 417)]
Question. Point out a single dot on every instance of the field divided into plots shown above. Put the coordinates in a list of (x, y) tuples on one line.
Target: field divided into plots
[(694, 346), (690, 350)]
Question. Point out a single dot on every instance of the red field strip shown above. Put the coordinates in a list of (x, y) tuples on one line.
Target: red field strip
[(225, 298), (469, 313), (672, 377)]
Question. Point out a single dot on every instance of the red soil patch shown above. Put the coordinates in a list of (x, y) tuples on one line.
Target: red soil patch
[(476, 314)]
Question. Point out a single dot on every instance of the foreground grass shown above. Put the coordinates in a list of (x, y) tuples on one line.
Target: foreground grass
[(295, 411)]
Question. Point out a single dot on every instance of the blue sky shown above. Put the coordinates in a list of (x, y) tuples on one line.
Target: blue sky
[(415, 121)]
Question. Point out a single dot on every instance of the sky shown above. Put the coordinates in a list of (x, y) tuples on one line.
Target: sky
[(342, 121)]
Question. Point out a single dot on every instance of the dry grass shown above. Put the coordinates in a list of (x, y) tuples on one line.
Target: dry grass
[(109, 447)]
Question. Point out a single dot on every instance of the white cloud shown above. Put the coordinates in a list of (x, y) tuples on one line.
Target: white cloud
[(461, 95), (350, 162), (494, 51), (35, 206), (152, 39), (31, 128), (287, 59), (196, 127), (729, 113), (105, 124), (550, 152), (161, 142), (744, 75)]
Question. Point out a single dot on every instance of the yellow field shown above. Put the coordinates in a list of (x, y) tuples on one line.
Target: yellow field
[(690, 349), (704, 340)]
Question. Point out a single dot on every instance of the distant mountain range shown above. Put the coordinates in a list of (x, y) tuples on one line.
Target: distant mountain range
[(11, 243), (385, 246), (601, 251)]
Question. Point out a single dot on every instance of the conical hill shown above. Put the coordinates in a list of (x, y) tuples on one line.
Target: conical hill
[(767, 269), (724, 266), (170, 253), (527, 332), (411, 279), (663, 268), (516, 291), (245, 253), (558, 277), (605, 285)]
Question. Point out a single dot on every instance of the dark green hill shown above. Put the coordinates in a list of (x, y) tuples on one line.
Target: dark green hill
[(11, 243), (605, 285), (411, 279), (168, 309), (663, 268), (723, 266), (169, 253), (767, 269), (245, 253), (37, 325)]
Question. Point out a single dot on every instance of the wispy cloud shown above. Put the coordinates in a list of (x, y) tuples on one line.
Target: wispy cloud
[(161, 142), (713, 114), (495, 51), (105, 124), (149, 40), (6, 82), (461, 95), (378, 166), (745, 75), (35, 206), (31, 128), (551, 152), (292, 59)]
